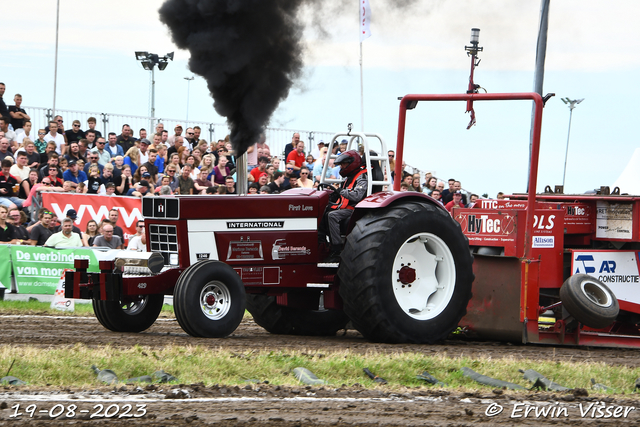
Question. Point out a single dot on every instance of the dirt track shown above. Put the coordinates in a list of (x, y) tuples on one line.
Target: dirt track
[(284, 406)]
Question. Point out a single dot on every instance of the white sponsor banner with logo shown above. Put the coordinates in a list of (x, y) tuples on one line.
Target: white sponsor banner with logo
[(616, 269), (543, 241), (614, 220)]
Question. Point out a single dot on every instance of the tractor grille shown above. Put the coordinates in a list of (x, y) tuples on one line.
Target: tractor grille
[(164, 239)]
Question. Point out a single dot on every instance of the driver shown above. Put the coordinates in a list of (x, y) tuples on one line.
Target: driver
[(352, 190)]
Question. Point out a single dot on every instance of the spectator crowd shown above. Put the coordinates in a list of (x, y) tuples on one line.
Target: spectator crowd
[(155, 162)]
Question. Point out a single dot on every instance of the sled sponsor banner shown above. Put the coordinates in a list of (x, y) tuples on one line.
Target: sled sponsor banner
[(5, 267), (614, 220), (616, 269), (543, 242), (488, 226), (501, 204), (37, 270), (97, 208)]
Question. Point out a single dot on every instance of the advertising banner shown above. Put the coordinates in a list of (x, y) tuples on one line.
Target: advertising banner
[(95, 207), (616, 269), (37, 270), (5, 268)]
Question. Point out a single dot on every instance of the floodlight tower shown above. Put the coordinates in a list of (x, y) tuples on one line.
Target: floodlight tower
[(149, 61), (572, 104)]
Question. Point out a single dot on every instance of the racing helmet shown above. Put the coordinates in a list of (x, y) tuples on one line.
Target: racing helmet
[(349, 162)]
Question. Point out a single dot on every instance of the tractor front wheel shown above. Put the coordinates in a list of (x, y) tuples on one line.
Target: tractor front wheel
[(406, 274), (209, 300)]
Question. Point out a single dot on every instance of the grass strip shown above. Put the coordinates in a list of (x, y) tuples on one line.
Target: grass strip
[(14, 307), (70, 366)]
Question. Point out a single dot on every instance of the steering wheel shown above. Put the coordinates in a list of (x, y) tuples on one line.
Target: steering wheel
[(328, 187)]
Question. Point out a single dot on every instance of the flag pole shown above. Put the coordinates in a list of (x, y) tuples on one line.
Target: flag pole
[(361, 93)]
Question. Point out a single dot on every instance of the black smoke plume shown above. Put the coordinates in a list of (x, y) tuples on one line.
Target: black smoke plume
[(248, 51)]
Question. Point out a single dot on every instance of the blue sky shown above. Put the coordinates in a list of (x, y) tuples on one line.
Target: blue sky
[(591, 55)]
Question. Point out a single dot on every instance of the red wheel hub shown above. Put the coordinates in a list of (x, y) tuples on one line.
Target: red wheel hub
[(407, 275), (210, 299)]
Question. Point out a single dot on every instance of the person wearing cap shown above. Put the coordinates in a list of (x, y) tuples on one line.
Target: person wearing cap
[(72, 215), (143, 148), (343, 146), (171, 141), (456, 202), (316, 151), (74, 174), (453, 187), (140, 190)]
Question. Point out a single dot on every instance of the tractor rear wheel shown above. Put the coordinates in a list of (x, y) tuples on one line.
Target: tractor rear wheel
[(132, 315), (589, 301), (406, 274), (209, 300), (278, 319)]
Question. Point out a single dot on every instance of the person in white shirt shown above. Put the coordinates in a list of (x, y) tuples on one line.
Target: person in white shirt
[(53, 135), (139, 241), (20, 169)]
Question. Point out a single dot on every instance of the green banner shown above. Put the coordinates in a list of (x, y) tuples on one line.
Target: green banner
[(37, 270), (5, 267)]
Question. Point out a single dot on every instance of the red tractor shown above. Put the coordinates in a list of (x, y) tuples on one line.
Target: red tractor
[(405, 274), (549, 268)]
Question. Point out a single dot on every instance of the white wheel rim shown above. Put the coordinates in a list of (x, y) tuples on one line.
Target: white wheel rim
[(215, 300), (423, 276), (596, 293), (134, 307)]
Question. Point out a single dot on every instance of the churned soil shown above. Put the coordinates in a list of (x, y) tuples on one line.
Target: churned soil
[(271, 405)]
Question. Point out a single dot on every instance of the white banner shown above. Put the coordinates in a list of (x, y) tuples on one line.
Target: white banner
[(616, 269), (365, 20)]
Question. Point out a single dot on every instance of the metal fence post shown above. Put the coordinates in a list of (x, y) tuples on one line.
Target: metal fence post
[(211, 133), (105, 120)]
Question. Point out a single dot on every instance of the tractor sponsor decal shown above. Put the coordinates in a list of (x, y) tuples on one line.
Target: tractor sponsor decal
[(543, 241), (255, 224), (300, 208), (281, 250), (614, 220), (616, 269), (242, 250), (259, 275)]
